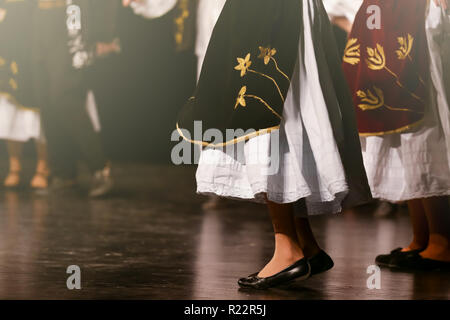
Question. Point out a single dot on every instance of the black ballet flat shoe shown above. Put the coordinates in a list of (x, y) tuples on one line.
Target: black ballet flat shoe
[(395, 258), (415, 262), (300, 270), (320, 263)]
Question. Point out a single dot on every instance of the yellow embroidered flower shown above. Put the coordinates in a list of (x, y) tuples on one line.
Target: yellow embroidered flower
[(377, 58), (372, 101), (244, 65), (2, 62), (13, 84), (14, 67), (406, 45), (352, 52), (241, 98), (267, 54)]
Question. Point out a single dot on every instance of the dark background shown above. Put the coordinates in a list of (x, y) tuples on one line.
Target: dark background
[(140, 91)]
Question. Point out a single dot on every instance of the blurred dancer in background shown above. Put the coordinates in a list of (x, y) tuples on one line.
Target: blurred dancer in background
[(403, 123), (19, 117), (67, 38)]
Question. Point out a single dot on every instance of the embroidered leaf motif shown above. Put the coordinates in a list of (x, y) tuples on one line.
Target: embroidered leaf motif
[(377, 58), (371, 100), (406, 45), (352, 52)]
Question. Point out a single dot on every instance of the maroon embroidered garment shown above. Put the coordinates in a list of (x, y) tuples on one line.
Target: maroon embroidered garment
[(387, 68)]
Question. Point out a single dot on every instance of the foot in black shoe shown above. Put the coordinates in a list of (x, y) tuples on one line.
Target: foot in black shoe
[(300, 270), (394, 258), (320, 262)]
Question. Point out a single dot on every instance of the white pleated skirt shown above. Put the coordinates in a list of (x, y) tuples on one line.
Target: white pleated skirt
[(299, 161), (415, 165)]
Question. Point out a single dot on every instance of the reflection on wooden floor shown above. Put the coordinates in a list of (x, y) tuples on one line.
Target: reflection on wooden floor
[(153, 240)]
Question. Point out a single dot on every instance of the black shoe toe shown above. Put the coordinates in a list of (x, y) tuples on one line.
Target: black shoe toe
[(300, 270)]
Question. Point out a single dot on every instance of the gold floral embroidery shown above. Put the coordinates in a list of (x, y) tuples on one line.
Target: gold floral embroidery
[(241, 98), (2, 62), (352, 52), (377, 61), (374, 100), (267, 54), (406, 45), (241, 101), (244, 68), (377, 58), (244, 65)]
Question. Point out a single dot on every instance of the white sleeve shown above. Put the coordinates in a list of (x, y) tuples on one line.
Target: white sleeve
[(342, 8), (151, 9)]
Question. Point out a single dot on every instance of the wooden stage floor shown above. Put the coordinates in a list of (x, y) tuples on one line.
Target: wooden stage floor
[(152, 240)]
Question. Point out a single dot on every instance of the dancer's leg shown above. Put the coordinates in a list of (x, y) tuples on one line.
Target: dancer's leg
[(419, 224), (287, 247), (40, 179), (438, 216), (14, 152)]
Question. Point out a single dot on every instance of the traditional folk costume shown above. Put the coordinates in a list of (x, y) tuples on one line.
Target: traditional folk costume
[(63, 47), (19, 117), (402, 116), (272, 75)]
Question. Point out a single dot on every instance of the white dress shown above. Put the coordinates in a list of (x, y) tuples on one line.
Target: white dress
[(207, 14), (22, 124), (307, 164), (408, 166)]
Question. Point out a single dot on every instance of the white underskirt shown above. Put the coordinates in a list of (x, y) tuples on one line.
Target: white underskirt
[(309, 167)]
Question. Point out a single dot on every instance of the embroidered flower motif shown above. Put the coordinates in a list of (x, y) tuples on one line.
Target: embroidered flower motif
[(406, 45), (241, 98), (2, 62), (371, 101), (377, 58), (352, 52), (14, 68), (244, 65), (267, 54)]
